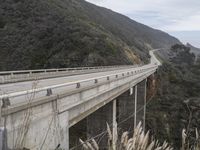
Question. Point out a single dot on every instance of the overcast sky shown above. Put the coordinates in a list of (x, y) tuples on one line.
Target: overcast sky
[(177, 17)]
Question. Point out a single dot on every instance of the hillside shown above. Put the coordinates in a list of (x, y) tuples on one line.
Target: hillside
[(176, 103), (71, 33), (194, 50)]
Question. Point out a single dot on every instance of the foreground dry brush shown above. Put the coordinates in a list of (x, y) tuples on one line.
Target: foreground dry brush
[(186, 143), (138, 141)]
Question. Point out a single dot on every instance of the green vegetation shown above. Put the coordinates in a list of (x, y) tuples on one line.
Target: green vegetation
[(139, 140), (70, 33), (176, 104)]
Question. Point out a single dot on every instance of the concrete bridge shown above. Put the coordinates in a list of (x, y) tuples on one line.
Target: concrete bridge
[(47, 109)]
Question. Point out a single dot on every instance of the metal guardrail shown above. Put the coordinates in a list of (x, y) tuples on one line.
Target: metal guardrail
[(78, 83), (28, 75), (2, 73), (9, 109), (133, 70)]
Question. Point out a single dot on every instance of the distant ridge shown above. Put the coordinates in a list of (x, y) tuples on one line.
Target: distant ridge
[(193, 49), (71, 33)]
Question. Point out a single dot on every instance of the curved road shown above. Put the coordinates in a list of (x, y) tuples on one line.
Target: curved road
[(7, 89)]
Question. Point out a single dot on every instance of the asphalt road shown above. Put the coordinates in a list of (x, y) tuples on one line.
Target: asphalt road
[(29, 85)]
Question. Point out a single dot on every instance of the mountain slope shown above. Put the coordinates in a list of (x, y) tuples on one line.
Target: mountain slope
[(194, 50), (176, 103), (70, 33)]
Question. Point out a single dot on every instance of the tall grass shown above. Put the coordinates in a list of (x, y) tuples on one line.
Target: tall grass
[(138, 141), (186, 145)]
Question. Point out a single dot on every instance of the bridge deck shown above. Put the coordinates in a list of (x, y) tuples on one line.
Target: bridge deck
[(27, 85), (72, 99)]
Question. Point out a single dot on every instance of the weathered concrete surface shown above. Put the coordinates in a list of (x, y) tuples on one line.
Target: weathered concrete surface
[(35, 120), (99, 97), (35, 125), (95, 124), (141, 101), (40, 127), (27, 85), (3, 139)]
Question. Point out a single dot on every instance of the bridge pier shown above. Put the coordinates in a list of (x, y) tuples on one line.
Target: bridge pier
[(145, 103), (141, 102), (63, 123), (114, 125), (135, 109), (40, 128)]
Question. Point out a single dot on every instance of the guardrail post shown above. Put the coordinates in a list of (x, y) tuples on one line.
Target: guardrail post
[(11, 74), (78, 85), (95, 81), (30, 73), (49, 92), (2, 79), (5, 102)]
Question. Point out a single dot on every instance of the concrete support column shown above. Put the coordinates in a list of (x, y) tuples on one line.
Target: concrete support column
[(64, 131), (114, 131), (145, 103), (1, 124), (141, 102), (135, 109)]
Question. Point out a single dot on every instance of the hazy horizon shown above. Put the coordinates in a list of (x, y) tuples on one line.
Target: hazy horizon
[(192, 37), (179, 18)]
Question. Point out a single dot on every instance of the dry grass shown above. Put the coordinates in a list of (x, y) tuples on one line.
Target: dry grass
[(186, 145), (141, 141), (138, 141)]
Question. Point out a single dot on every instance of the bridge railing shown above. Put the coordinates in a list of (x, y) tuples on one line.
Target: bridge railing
[(25, 75), (19, 98)]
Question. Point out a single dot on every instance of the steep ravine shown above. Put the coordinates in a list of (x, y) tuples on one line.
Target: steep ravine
[(176, 104)]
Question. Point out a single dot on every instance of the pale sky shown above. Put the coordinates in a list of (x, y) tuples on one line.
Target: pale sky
[(180, 18)]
